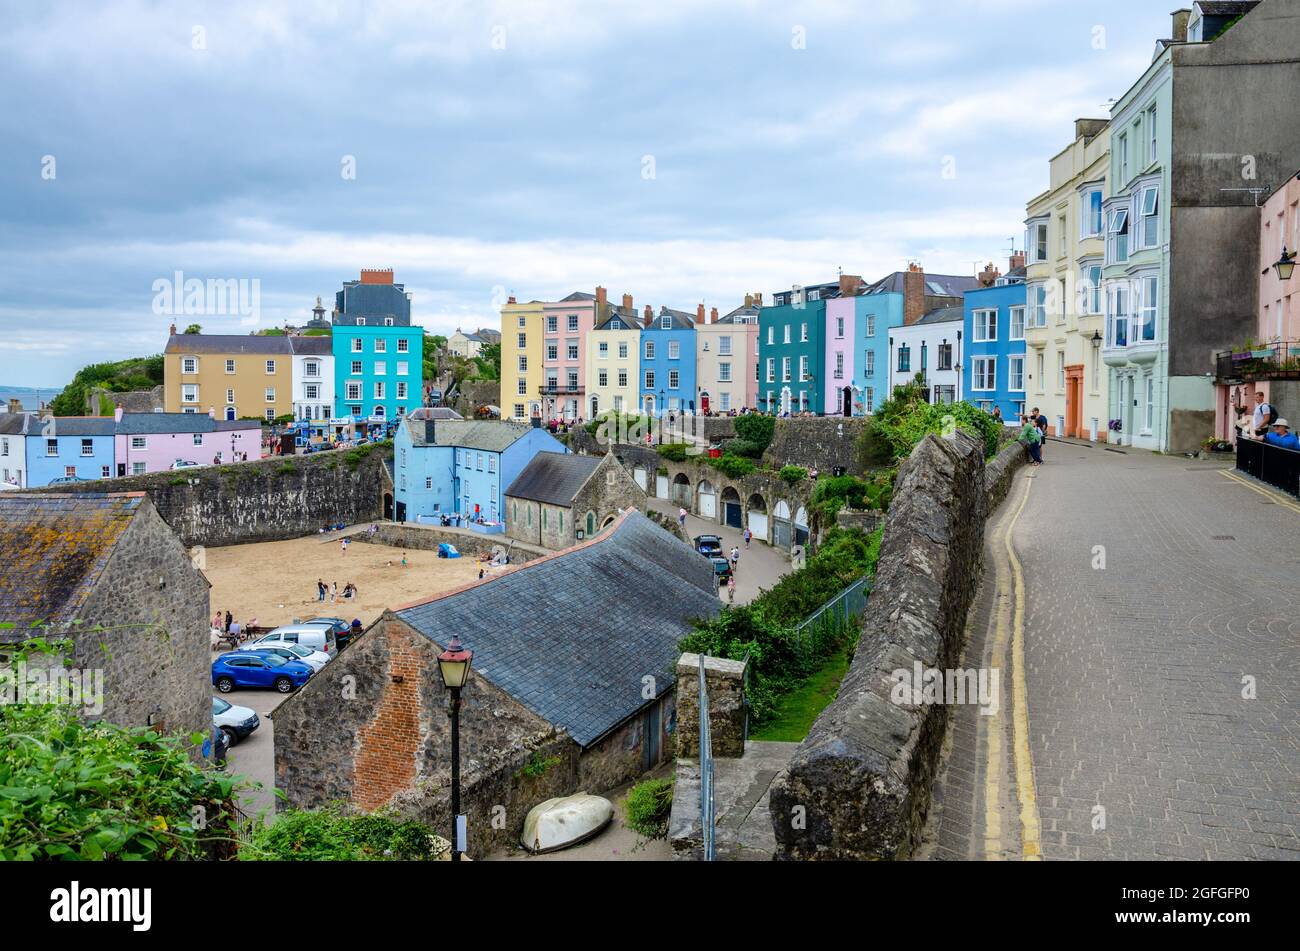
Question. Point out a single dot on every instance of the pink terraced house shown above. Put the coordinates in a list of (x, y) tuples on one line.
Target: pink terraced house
[(1269, 364), (154, 442), (565, 325)]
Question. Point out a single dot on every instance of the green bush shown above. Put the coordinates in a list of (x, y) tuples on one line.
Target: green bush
[(793, 475), (757, 429), (648, 807), (335, 835), (905, 419), (136, 373), (742, 447), (673, 452), (539, 765), (732, 466), (76, 790)]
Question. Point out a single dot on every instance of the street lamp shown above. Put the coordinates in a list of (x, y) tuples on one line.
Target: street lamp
[(1096, 340), (1286, 266), (453, 666)]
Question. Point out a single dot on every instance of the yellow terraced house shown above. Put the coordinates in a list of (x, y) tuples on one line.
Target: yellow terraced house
[(521, 359), (1065, 321), (232, 376), (613, 358)]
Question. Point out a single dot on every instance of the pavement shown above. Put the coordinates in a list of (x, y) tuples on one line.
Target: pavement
[(1144, 616), (761, 566), (254, 756), (742, 788)]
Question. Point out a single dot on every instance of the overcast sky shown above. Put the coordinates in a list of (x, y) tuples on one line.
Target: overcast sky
[(682, 152)]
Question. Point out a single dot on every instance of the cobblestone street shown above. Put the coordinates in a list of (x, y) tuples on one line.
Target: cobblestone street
[(1146, 620)]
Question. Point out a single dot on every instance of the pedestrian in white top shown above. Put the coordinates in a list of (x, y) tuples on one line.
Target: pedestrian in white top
[(1263, 416)]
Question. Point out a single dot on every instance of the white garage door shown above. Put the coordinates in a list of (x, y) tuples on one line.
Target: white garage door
[(708, 506), (758, 525), (639, 475), (661, 487)]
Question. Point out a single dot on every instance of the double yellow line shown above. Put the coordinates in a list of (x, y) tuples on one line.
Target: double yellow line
[(1271, 496), (1011, 626)]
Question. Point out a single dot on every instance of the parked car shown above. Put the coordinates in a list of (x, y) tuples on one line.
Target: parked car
[(341, 628), (235, 722), (316, 636), (708, 544), (255, 669), (721, 567), (184, 464), (312, 658)]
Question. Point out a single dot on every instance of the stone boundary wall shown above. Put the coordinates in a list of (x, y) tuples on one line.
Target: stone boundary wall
[(817, 442), (468, 543), (725, 681), (261, 501), (1000, 471), (864, 774)]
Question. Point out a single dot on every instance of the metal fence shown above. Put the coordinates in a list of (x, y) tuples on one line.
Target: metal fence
[(707, 805), (1272, 464), (838, 613)]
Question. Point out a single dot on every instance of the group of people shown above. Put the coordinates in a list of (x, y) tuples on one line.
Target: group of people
[(1033, 433), (331, 591), (1265, 423), (226, 629)]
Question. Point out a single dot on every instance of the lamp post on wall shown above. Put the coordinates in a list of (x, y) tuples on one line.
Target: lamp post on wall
[(1285, 267), (454, 666)]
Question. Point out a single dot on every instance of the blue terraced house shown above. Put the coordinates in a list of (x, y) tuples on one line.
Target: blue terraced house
[(668, 364), (791, 356), (875, 315), (993, 373), (461, 466), (378, 355), (64, 447)]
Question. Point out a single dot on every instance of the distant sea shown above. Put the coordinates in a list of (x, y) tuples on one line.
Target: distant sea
[(31, 397)]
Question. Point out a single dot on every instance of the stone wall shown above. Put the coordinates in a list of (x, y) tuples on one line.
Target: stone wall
[(475, 393), (608, 492), (1000, 471), (621, 756), (266, 500), (469, 543), (819, 443), (725, 681), (862, 778)]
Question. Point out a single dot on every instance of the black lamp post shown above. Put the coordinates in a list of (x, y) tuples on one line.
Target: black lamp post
[(1096, 340), (453, 666), (1286, 266)]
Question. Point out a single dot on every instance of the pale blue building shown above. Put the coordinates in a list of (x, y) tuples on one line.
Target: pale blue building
[(68, 447), (461, 466)]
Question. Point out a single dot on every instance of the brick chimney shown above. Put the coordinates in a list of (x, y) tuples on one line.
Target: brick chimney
[(627, 302), (758, 299), (1181, 17), (173, 329), (377, 275), (713, 315), (602, 296), (913, 294), (1017, 261), (749, 300), (1089, 128), (117, 412), (850, 284), (699, 314), (989, 276), (649, 315), (15, 405), (510, 301)]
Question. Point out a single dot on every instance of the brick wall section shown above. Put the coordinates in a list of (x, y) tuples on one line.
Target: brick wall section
[(725, 681), (257, 501), (155, 654), (388, 745), (819, 443), (865, 771)]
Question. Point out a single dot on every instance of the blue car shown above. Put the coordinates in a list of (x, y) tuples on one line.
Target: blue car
[(258, 669)]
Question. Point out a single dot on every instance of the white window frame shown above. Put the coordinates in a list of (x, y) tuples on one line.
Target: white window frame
[(984, 370), (1017, 312), (1014, 361), (985, 325)]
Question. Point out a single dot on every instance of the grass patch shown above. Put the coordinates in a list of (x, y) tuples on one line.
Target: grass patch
[(796, 711)]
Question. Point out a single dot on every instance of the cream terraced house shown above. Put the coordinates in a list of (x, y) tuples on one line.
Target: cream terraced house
[(232, 376), (1065, 250), (613, 362)]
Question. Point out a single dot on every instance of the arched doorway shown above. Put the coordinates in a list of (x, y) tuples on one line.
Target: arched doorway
[(782, 529), (733, 512), (230, 413), (757, 522), (801, 526), (595, 407), (388, 506), (785, 403), (681, 490), (704, 402), (706, 499), (846, 401)]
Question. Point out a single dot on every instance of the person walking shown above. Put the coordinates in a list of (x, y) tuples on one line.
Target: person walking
[(1264, 416), (334, 591), (226, 626), (735, 558), (731, 589), (748, 536), (1282, 436), (344, 545), (320, 590), (681, 517)]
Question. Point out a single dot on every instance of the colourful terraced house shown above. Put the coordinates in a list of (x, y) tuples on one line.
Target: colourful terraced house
[(378, 354)]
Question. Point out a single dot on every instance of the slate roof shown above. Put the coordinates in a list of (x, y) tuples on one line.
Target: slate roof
[(942, 315), (936, 285), (229, 343), (577, 296), (554, 478), (741, 311), (487, 435), (629, 320), (54, 548), (138, 424), (12, 424), (1226, 8), (317, 345), (78, 426), (571, 635), (681, 319)]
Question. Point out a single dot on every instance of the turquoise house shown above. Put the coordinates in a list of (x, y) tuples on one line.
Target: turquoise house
[(791, 358), (378, 355)]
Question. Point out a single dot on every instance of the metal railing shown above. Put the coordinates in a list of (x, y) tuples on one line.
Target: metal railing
[(1266, 361), (1274, 465), (708, 820), (839, 612)]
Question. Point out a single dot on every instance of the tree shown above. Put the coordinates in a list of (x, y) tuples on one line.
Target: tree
[(193, 329)]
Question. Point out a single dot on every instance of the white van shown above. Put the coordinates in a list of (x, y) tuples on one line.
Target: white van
[(314, 636)]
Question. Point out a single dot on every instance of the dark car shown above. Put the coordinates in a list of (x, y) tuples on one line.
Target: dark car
[(341, 628), (253, 668), (708, 544), (721, 567)]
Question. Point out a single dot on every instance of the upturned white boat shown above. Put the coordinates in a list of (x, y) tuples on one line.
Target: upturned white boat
[(560, 823)]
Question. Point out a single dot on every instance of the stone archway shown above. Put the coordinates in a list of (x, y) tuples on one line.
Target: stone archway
[(733, 510), (756, 516), (801, 526), (782, 528), (706, 501), (680, 491)]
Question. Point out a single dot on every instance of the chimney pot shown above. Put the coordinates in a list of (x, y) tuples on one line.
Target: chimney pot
[(649, 315), (601, 295), (699, 313), (1181, 18), (173, 330), (713, 315), (758, 298), (749, 300)]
